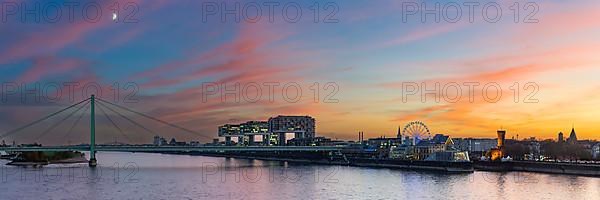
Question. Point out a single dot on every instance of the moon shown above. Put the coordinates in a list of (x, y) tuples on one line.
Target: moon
[(114, 16)]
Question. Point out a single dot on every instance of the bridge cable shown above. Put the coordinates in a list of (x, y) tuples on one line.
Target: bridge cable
[(60, 122), (76, 122), (113, 123), (156, 119), (126, 118), (40, 120)]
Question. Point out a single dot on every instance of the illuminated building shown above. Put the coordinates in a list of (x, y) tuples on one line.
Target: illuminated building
[(474, 145), (228, 131), (596, 151), (272, 131), (497, 153), (245, 132), (301, 126), (383, 142), (425, 148), (251, 129)]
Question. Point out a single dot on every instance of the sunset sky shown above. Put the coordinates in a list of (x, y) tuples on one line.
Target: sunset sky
[(368, 50)]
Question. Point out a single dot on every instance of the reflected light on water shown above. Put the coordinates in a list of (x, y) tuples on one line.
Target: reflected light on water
[(161, 176)]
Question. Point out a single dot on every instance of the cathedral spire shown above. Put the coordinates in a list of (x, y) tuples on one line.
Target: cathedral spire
[(573, 136)]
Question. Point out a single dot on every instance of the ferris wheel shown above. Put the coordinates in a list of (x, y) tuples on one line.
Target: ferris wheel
[(416, 130)]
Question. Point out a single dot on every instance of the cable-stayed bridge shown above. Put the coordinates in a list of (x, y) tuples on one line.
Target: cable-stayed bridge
[(92, 102)]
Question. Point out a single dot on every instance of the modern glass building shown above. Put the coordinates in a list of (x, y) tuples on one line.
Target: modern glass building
[(254, 128), (301, 126), (272, 131), (229, 130)]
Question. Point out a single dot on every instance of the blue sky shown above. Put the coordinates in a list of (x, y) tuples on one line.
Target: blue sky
[(368, 53)]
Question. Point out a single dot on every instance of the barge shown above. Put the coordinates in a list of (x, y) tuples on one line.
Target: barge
[(41, 158)]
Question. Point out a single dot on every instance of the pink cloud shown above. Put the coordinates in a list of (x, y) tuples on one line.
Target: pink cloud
[(425, 32), (39, 42), (57, 37), (49, 65), (246, 54), (561, 20)]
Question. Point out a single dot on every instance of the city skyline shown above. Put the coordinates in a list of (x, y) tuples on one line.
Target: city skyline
[(290, 99), (369, 53)]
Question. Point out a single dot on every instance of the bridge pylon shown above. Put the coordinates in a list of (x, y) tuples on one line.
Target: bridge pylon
[(93, 162)]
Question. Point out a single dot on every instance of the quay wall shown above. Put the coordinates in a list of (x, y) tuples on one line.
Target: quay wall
[(542, 167)]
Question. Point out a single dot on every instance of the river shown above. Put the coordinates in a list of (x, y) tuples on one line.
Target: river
[(162, 176)]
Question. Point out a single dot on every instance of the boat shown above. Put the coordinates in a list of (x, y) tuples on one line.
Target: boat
[(41, 158), (6, 155)]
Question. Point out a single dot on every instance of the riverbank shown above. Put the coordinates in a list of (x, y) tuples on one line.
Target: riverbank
[(540, 167), (450, 167), (441, 166)]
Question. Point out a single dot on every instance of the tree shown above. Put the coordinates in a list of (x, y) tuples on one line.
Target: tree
[(516, 150), (565, 151)]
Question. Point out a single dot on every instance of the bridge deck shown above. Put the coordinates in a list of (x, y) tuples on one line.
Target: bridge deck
[(176, 148)]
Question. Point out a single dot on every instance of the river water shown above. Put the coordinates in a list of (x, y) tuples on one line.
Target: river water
[(161, 176)]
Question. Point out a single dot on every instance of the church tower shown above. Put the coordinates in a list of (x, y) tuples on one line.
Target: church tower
[(561, 137), (572, 137)]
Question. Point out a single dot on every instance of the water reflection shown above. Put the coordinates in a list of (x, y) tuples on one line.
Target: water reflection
[(159, 176)]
